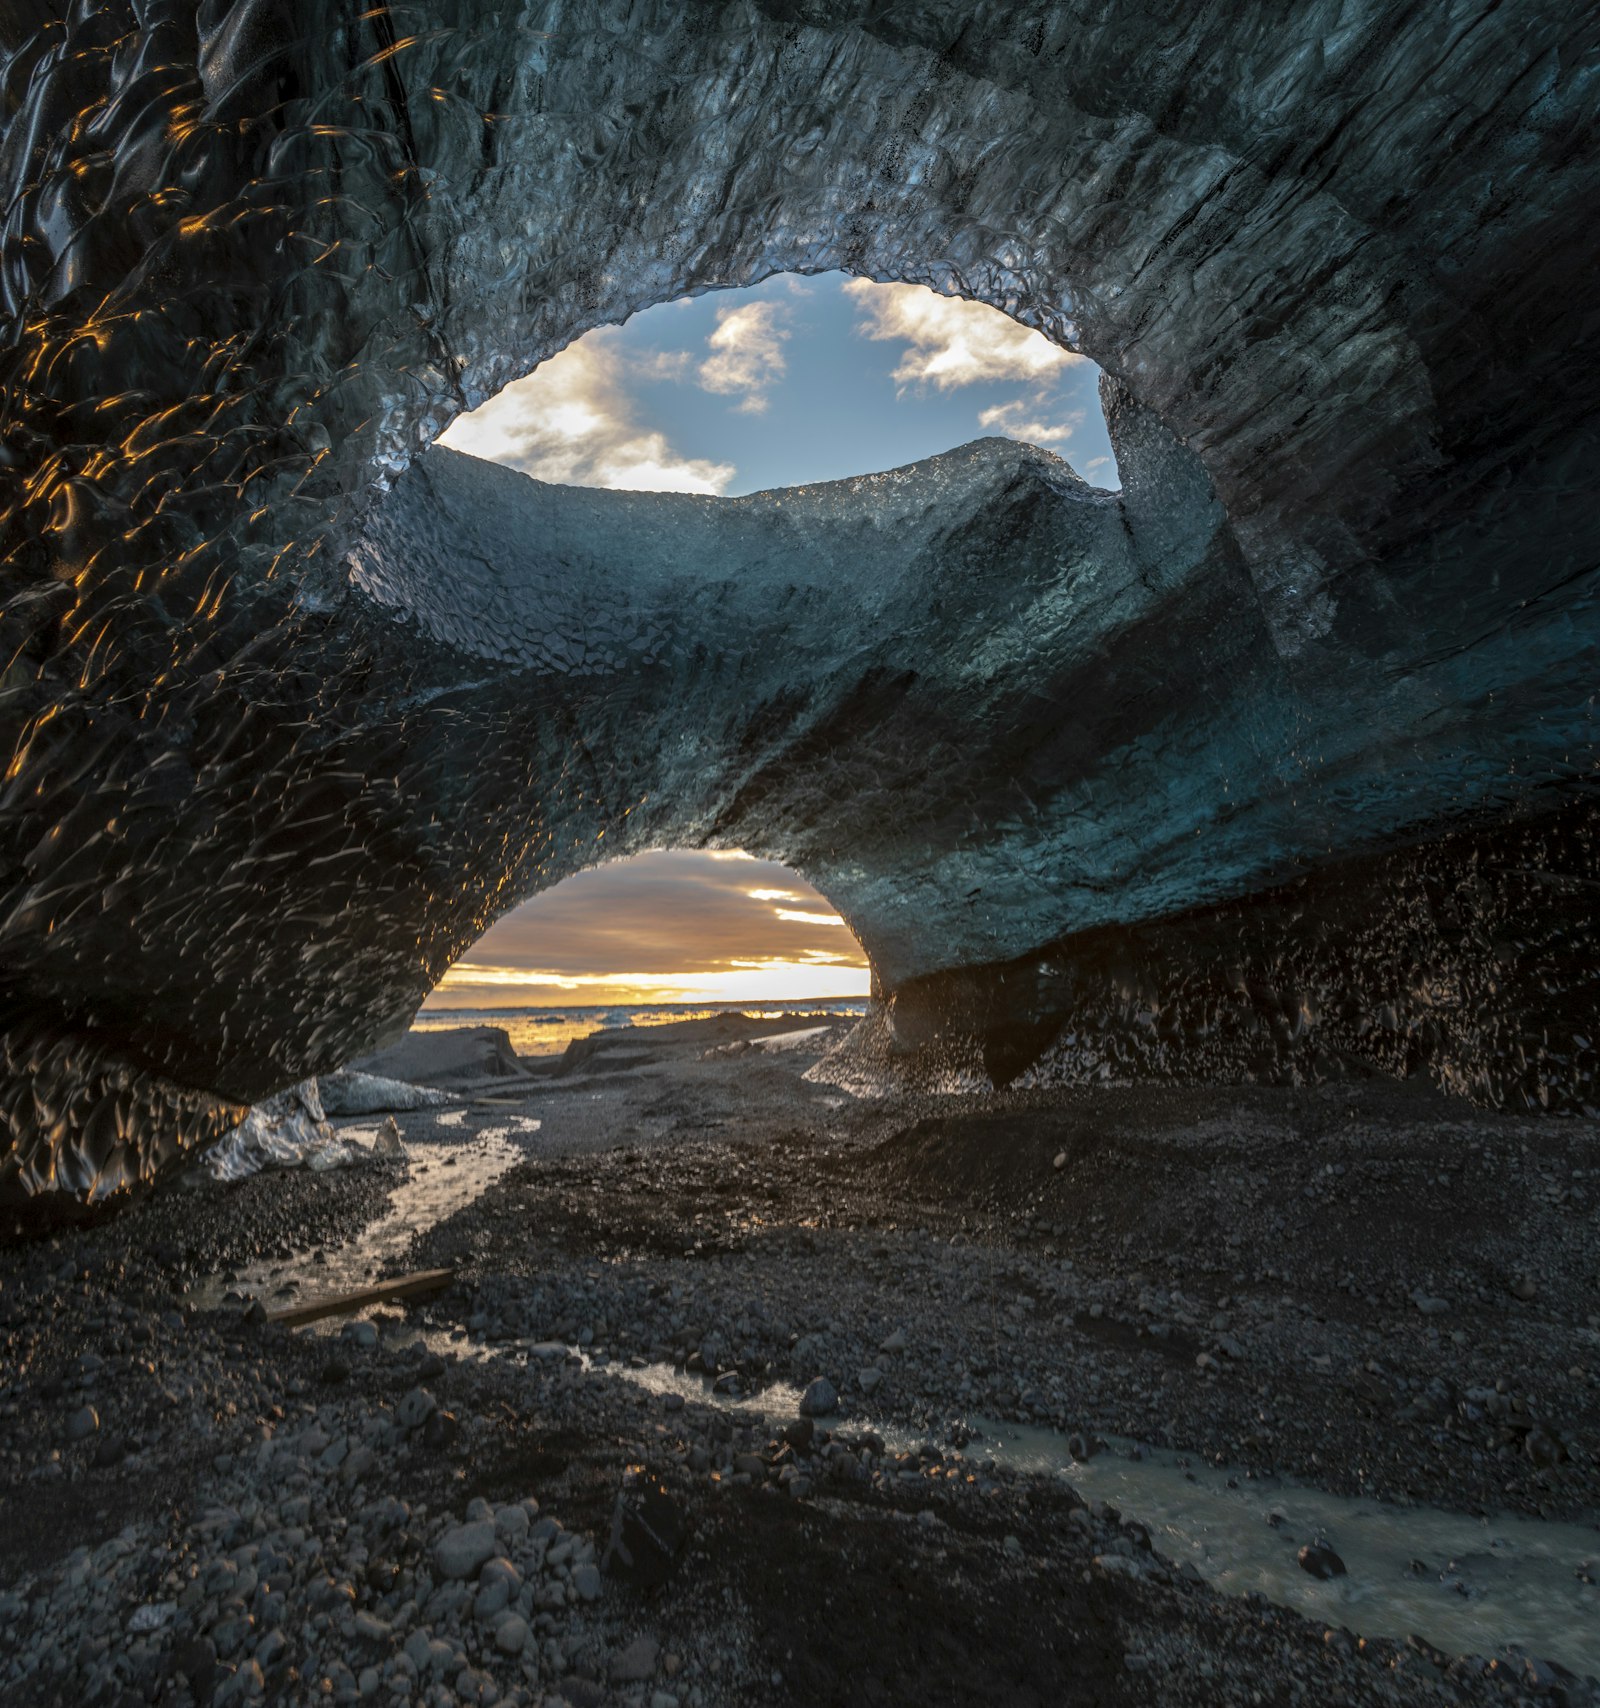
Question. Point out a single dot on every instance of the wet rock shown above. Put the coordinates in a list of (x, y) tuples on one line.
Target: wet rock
[(1320, 1561)]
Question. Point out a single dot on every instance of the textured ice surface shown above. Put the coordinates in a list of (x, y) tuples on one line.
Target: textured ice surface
[(289, 711)]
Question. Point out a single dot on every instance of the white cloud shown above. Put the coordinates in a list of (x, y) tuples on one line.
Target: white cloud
[(572, 421), (1018, 420), (950, 342), (746, 354)]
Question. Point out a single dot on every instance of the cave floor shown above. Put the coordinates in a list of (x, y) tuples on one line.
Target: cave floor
[(1364, 1287)]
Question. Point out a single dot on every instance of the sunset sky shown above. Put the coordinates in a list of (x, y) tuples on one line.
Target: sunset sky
[(678, 926), (793, 381)]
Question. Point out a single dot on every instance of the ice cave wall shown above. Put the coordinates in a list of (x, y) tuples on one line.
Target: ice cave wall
[(276, 746)]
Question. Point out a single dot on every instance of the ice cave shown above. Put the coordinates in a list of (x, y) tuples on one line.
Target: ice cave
[(1274, 764), (1146, 1247)]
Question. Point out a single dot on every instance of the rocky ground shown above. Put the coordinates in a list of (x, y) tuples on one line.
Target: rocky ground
[(460, 1500)]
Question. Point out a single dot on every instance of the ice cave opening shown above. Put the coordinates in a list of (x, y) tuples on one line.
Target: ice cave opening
[(797, 380), (668, 935)]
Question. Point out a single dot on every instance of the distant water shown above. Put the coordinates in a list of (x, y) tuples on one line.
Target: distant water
[(548, 1031)]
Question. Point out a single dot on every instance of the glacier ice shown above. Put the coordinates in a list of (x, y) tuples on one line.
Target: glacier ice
[(291, 706)]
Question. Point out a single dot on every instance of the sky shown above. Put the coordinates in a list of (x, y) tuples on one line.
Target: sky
[(676, 925), (792, 381)]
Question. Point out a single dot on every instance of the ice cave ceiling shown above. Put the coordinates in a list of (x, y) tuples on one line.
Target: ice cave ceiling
[(1296, 734)]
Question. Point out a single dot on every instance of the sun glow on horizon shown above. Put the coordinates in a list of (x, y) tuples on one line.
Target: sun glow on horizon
[(773, 980)]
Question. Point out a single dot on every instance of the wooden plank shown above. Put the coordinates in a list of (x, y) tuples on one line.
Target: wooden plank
[(341, 1304)]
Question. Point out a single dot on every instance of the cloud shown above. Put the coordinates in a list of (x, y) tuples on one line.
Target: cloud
[(572, 421), (950, 342), (1017, 420), (746, 357)]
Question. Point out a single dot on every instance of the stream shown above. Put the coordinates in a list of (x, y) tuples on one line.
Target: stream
[(1466, 1585)]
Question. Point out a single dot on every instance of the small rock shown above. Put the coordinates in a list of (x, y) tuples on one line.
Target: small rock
[(511, 1634), (1060, 1161), (586, 1581), (1525, 1288), (798, 1433), (512, 1523), (870, 1380), (461, 1550), (415, 1409), (1320, 1561), (895, 1343), (1429, 1306), (440, 1430), (82, 1423), (820, 1399)]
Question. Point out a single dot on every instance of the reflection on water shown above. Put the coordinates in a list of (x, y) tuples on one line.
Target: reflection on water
[(441, 1179)]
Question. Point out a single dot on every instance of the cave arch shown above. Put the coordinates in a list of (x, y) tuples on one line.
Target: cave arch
[(291, 708)]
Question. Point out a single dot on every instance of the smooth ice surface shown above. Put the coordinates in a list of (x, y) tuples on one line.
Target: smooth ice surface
[(290, 710)]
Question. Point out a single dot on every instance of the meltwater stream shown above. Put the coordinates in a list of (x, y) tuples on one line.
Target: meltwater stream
[(442, 1178), (1466, 1585)]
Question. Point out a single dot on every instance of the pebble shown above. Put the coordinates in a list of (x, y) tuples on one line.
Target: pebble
[(870, 1380), (82, 1423), (511, 1634)]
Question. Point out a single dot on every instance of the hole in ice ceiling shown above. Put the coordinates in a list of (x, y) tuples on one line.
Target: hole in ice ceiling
[(788, 382), (661, 935)]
